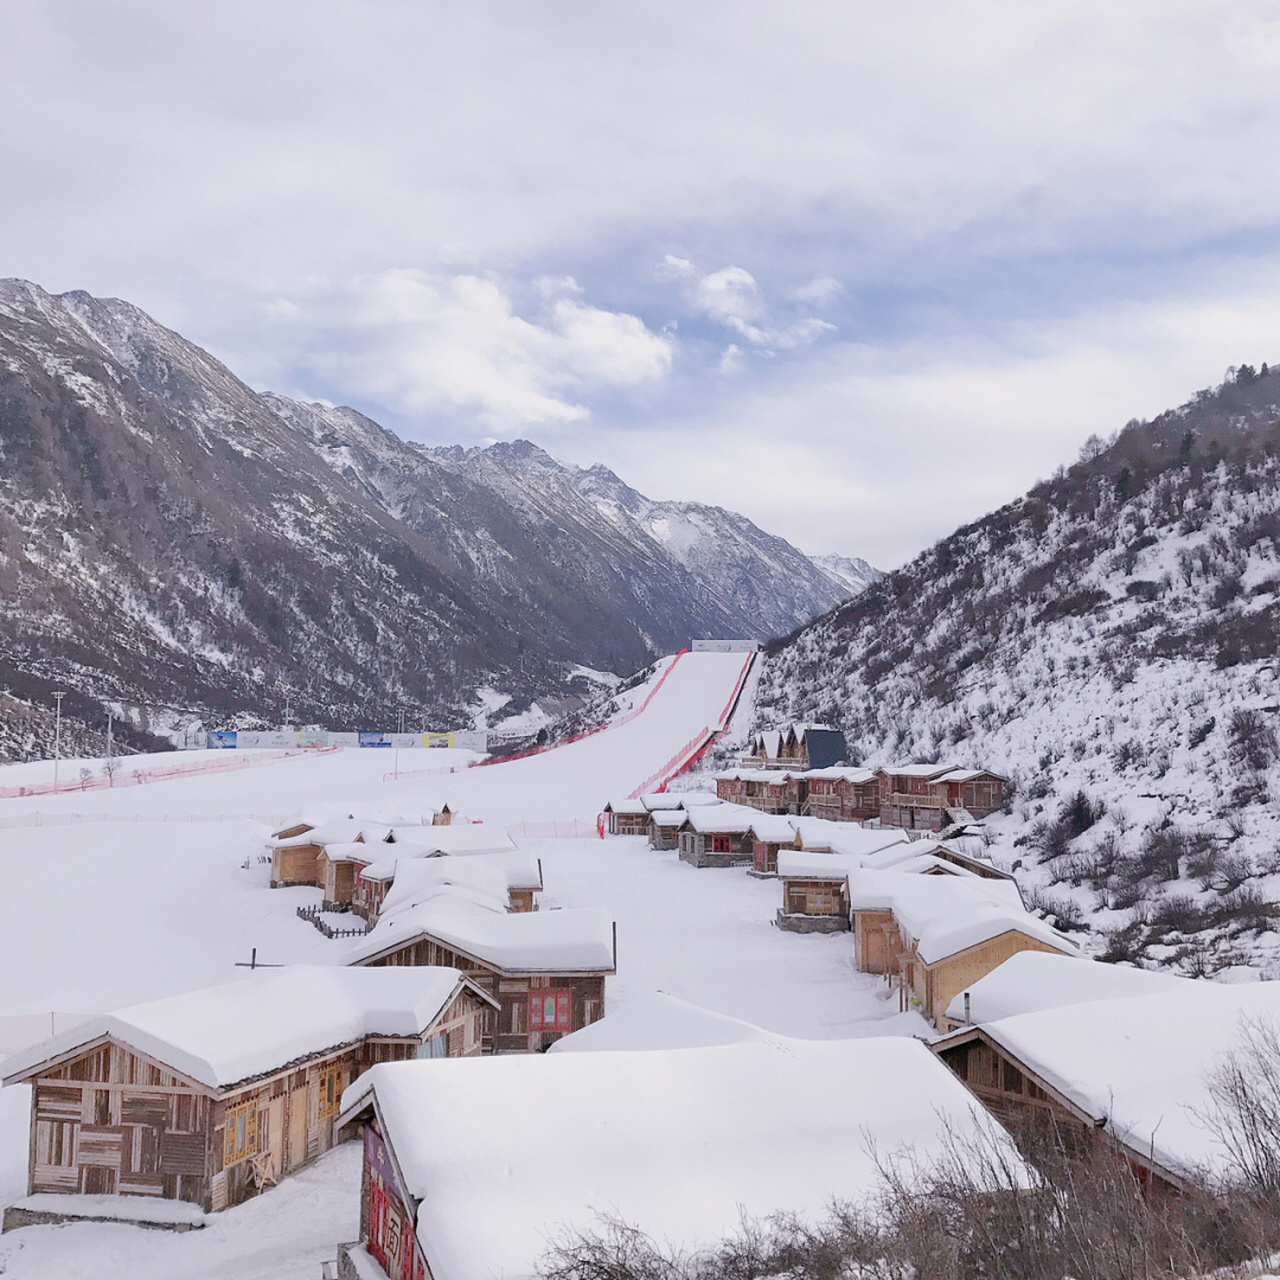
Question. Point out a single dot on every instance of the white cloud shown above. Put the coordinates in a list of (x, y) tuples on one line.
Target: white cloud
[(420, 341), (731, 297)]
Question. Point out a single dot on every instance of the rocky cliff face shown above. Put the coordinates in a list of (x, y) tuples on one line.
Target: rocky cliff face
[(1109, 641), (170, 537)]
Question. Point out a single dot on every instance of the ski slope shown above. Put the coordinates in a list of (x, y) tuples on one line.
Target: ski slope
[(688, 696)]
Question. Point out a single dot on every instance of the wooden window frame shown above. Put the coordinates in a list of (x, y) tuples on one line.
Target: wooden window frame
[(240, 1139), (330, 1091), (562, 1003)]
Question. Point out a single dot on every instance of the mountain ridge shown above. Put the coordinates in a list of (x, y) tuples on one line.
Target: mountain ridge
[(170, 536)]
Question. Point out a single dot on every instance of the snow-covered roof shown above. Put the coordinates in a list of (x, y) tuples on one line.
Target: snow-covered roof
[(933, 771), (841, 773), (219, 1036), (796, 864), (847, 837), (419, 878), (772, 777), (679, 1142), (1141, 1063), (1033, 980), (336, 831), (968, 775), (735, 818), (352, 851), (698, 799), (773, 828), (655, 1020), (628, 806), (572, 940), (669, 818), (655, 800)]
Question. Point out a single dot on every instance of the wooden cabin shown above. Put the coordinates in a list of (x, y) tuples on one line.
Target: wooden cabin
[(796, 747), (546, 970), (932, 976), (768, 835), (675, 1140), (814, 904), (665, 826), (842, 794), (932, 797), (717, 836), (1135, 1072), (214, 1095), (627, 818)]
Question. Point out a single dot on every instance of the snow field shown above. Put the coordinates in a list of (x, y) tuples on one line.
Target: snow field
[(108, 911)]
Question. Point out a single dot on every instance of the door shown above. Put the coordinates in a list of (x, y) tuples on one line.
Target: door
[(275, 1136), (297, 1127)]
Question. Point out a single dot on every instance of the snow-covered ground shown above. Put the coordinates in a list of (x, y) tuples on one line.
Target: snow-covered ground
[(148, 893)]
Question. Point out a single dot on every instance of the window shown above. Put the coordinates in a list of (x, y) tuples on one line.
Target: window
[(549, 1011), (435, 1047), (330, 1090), (241, 1138), (719, 844)]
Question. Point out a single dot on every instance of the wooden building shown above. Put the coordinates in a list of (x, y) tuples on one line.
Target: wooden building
[(627, 818), (665, 826), (768, 790), (768, 835), (796, 747), (522, 872), (842, 794), (214, 1095), (1135, 1072), (932, 797), (717, 836), (467, 1171), (545, 969)]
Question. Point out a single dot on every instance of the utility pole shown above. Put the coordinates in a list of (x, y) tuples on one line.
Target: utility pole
[(57, 737), (399, 734), (111, 777)]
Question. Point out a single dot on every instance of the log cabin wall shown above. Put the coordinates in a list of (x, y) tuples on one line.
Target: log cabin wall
[(113, 1122), (516, 1027), (877, 942), (629, 824), (936, 985), (296, 864), (387, 1215), (367, 897), (519, 900), (339, 881), (982, 796), (815, 897)]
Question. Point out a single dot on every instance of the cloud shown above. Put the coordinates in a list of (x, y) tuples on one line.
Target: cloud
[(419, 341), (732, 298)]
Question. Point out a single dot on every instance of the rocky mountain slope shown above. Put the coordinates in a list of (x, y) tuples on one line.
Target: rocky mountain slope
[(170, 538), (1109, 642)]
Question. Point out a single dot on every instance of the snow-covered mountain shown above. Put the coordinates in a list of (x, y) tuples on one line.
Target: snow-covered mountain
[(170, 537), (1110, 642), (853, 574), (760, 581)]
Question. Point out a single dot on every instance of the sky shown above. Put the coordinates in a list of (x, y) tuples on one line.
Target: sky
[(863, 272)]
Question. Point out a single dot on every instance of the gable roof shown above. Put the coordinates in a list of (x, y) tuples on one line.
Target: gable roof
[(654, 1020), (1034, 980), (570, 940), (219, 1036), (719, 1125), (1140, 1064)]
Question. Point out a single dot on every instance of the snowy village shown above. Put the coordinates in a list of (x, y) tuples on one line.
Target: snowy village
[(639, 642)]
